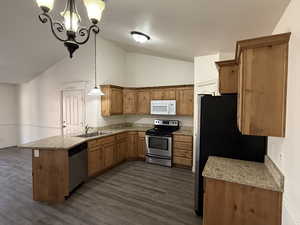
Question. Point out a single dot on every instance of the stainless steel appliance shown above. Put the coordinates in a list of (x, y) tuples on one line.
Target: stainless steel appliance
[(77, 166), (163, 107), (159, 142)]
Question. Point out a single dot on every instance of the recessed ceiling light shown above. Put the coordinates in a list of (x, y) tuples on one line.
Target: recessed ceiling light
[(140, 37)]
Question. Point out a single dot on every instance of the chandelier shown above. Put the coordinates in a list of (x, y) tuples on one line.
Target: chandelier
[(69, 31)]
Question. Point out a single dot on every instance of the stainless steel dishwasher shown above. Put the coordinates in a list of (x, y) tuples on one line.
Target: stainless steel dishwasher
[(78, 163)]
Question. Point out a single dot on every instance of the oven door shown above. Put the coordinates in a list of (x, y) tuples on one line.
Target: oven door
[(159, 146)]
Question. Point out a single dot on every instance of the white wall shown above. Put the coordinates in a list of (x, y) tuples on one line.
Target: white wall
[(285, 151), (144, 71), (9, 132), (40, 98)]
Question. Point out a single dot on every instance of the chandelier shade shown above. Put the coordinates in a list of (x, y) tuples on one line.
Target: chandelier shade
[(94, 9), (47, 4)]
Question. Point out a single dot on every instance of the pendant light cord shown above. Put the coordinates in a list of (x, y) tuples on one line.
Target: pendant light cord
[(95, 61)]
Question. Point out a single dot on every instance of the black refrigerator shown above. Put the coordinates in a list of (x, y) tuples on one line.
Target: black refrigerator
[(218, 135)]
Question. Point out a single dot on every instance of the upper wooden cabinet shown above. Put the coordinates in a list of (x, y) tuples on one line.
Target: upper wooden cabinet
[(119, 100), (185, 101), (112, 101), (263, 64), (129, 101), (228, 76), (143, 102), (163, 94)]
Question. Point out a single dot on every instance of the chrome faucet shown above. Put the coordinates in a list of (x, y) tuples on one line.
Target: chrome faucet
[(87, 128)]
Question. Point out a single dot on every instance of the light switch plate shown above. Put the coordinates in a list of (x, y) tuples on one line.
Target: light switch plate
[(36, 153)]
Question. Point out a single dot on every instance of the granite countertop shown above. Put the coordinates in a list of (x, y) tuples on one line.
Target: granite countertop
[(242, 172), (54, 143), (188, 132), (70, 141)]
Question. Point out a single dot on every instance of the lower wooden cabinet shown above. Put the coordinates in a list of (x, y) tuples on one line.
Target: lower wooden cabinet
[(133, 140), (141, 145), (106, 152), (94, 161), (183, 150), (229, 203)]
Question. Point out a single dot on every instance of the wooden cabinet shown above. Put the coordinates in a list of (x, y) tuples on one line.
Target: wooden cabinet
[(119, 100), (163, 94), (185, 101), (143, 102), (236, 204), (141, 145), (112, 101), (129, 101), (263, 64), (121, 148), (133, 140), (94, 157), (228, 76), (183, 150)]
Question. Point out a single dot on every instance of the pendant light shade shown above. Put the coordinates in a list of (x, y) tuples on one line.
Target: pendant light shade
[(95, 9), (95, 92)]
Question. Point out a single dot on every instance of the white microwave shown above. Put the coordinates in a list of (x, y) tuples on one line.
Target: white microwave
[(163, 107)]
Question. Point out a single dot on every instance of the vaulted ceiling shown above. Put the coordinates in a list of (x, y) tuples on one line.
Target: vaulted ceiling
[(179, 29)]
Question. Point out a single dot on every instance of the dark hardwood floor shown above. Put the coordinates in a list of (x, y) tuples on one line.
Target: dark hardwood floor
[(134, 193)]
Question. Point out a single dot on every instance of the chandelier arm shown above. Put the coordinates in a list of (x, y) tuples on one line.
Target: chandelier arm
[(45, 17), (86, 32)]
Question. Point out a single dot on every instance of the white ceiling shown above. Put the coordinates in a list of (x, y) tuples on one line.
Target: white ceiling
[(179, 29)]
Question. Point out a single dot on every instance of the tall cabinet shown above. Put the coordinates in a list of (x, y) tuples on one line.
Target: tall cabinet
[(259, 76)]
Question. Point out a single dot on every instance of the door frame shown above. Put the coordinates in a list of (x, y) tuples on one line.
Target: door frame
[(73, 86)]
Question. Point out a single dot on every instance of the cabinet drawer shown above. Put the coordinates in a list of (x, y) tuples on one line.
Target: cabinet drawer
[(183, 153), (142, 134), (94, 148), (184, 145), (107, 140), (182, 161), (183, 138), (121, 136), (92, 144)]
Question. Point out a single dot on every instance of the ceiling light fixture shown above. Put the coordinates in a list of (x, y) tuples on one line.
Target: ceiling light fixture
[(96, 91), (140, 37), (70, 31)]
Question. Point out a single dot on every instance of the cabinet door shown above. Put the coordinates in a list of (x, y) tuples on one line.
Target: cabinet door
[(93, 162), (185, 101), (143, 102), (116, 103), (228, 79), (108, 152), (129, 101), (123, 150), (142, 148), (263, 91), (163, 94), (132, 146)]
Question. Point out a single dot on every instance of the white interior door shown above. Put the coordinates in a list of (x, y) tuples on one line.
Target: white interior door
[(73, 111)]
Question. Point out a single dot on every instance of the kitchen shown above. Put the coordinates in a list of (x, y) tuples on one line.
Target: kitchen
[(132, 82)]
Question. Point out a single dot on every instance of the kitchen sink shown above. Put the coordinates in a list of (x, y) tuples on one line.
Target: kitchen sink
[(94, 134)]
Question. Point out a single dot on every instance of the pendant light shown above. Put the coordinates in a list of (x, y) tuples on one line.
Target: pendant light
[(96, 91)]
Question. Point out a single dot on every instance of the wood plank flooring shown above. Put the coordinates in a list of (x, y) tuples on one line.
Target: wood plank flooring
[(134, 193)]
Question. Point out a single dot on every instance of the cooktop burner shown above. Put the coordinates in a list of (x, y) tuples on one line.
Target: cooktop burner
[(163, 128)]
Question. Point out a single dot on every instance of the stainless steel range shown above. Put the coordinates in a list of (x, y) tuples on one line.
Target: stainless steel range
[(159, 142)]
